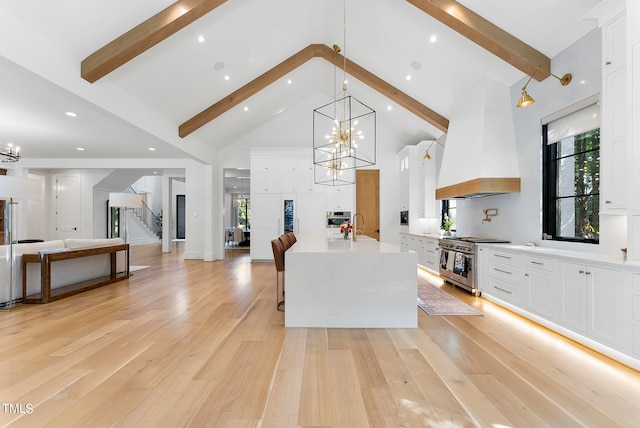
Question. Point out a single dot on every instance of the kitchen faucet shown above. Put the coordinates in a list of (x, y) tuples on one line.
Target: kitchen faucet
[(355, 225)]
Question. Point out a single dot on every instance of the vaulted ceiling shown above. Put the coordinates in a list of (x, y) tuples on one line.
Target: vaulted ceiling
[(190, 78)]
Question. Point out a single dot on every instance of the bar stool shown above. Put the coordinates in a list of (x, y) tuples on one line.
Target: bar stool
[(284, 241), (291, 237), (278, 258)]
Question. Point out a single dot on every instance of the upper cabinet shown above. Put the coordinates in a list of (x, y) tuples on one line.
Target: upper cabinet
[(613, 132), (418, 181)]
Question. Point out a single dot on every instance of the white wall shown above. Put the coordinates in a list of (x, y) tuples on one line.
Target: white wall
[(519, 214)]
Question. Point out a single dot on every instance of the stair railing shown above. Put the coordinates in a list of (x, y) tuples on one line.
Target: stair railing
[(152, 221)]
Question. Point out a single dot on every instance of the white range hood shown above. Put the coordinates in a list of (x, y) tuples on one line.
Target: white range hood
[(480, 153)]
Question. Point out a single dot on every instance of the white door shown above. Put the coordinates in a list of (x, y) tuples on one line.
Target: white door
[(68, 207)]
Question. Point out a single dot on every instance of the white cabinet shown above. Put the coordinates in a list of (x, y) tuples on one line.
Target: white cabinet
[(266, 176), (592, 301), (340, 198), (613, 141), (404, 242), (595, 304), (541, 289), (310, 214), (426, 248), (266, 224), (405, 180), (635, 314), (417, 188), (501, 275), (429, 256), (276, 177)]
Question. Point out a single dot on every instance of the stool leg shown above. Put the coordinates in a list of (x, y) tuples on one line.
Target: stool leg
[(279, 300)]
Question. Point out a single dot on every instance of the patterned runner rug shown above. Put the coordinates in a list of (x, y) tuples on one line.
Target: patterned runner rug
[(434, 301)]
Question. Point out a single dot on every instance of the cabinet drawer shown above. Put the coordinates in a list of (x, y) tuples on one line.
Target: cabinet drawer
[(503, 290), (505, 272), (511, 259), (430, 244), (541, 263)]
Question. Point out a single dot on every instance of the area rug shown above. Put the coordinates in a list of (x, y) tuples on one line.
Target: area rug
[(434, 301)]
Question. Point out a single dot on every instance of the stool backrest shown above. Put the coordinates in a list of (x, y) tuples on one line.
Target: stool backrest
[(285, 241), (278, 254), (292, 237)]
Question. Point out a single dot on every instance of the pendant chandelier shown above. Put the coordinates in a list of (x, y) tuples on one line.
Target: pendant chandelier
[(10, 153), (344, 132)]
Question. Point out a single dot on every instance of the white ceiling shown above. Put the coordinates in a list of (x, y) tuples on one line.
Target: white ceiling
[(141, 104)]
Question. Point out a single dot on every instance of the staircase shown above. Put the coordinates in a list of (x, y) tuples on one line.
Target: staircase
[(147, 220)]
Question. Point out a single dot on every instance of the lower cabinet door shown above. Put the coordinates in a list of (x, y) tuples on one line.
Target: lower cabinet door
[(542, 296), (573, 289), (606, 305)]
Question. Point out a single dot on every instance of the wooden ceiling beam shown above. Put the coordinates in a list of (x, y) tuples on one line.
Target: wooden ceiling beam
[(295, 61), (487, 35), (251, 88), (144, 36), (389, 91)]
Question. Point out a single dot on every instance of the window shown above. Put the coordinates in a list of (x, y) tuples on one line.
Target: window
[(571, 177), (448, 215), (242, 211)]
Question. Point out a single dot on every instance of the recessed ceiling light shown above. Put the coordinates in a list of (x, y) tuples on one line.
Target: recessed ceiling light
[(246, 108), (218, 66), (408, 77), (152, 149), (227, 77), (80, 149), (433, 38), (289, 82), (71, 114), (201, 39), (389, 107)]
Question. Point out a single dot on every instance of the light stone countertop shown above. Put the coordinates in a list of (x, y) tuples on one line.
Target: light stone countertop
[(578, 256)]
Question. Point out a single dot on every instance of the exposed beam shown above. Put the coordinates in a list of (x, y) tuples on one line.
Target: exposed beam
[(391, 92), (295, 61), (482, 32), (251, 88), (144, 36)]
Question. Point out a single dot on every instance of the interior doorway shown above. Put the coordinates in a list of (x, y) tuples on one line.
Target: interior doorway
[(368, 202)]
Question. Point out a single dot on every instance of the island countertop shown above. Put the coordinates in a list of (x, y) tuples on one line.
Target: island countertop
[(338, 283), (340, 245)]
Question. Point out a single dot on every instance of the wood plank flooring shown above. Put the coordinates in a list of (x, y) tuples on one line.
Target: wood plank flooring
[(201, 344)]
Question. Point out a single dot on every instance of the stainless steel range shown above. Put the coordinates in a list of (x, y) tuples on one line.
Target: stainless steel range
[(459, 258)]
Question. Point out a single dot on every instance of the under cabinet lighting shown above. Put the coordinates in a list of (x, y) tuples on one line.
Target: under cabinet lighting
[(71, 114)]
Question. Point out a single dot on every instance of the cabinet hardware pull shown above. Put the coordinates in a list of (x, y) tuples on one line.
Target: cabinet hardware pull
[(537, 263), (526, 274), (588, 273), (503, 271), (501, 256), (580, 271), (502, 289)]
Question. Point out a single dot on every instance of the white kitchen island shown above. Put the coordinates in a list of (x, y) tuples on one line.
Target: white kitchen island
[(338, 283)]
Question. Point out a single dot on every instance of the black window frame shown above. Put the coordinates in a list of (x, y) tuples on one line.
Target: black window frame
[(549, 193)]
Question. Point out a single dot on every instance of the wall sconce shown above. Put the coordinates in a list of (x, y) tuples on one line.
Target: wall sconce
[(527, 100), (427, 156)]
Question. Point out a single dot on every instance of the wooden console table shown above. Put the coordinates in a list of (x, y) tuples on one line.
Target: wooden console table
[(47, 295)]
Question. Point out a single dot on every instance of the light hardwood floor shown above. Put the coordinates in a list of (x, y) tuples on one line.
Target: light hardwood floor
[(192, 343)]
